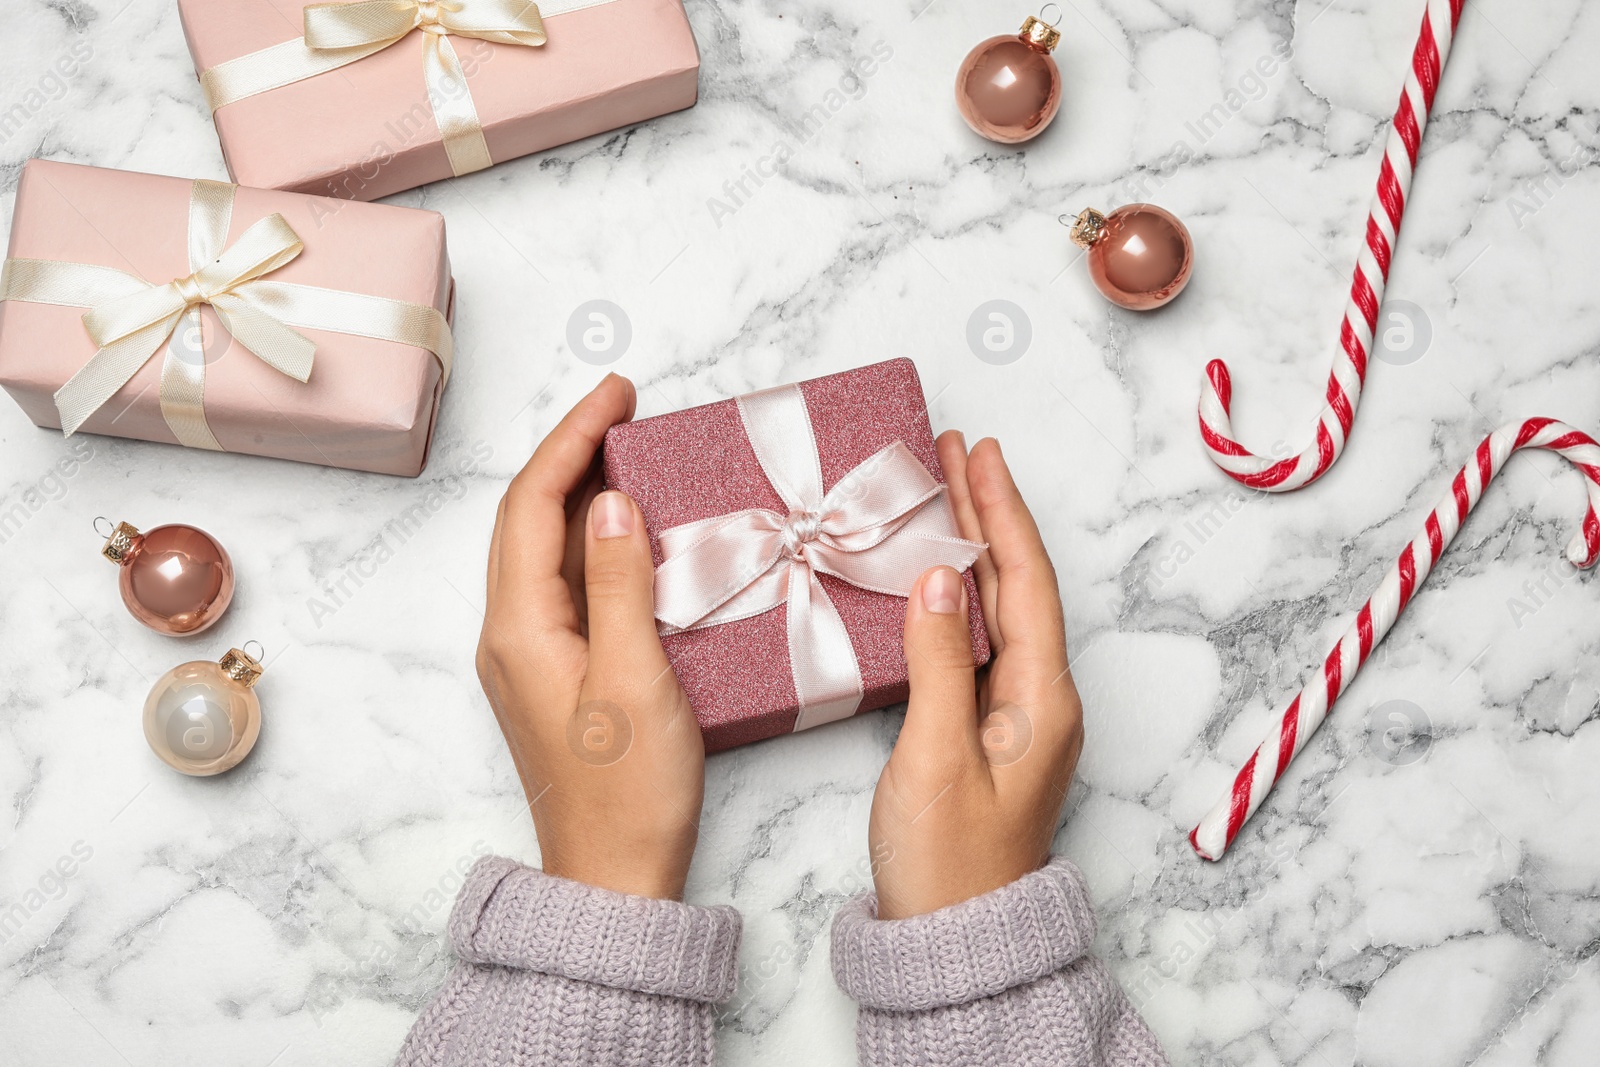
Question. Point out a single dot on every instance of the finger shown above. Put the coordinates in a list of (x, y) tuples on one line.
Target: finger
[(494, 554), (1037, 708), (533, 545), (941, 717), (1027, 600), (578, 504), (625, 656), (953, 458)]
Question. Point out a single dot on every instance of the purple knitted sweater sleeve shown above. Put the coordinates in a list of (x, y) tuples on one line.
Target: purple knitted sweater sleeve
[(1000, 979), (555, 973)]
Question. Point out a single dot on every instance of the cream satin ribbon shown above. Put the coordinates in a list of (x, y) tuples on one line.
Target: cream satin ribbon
[(129, 318), (339, 34), (879, 528), (183, 371)]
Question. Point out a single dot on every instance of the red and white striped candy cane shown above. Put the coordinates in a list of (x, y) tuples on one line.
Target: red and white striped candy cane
[(1366, 289), (1306, 712)]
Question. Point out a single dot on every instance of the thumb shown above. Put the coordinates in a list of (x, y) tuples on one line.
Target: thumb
[(942, 712), (625, 656)]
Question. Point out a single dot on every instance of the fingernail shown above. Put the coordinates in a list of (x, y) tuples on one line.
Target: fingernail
[(611, 515), (941, 592)]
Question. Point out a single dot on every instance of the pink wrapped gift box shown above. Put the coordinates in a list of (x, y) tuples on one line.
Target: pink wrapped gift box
[(368, 404), (366, 130), (697, 464)]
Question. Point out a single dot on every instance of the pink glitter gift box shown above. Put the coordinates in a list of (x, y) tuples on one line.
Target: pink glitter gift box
[(700, 464), (368, 404), (369, 129)]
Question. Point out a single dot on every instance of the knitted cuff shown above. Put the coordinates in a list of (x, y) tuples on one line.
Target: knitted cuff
[(983, 946), (510, 915)]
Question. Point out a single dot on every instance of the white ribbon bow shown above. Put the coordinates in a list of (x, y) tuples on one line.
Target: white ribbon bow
[(338, 34), (129, 318), (879, 528), (130, 329)]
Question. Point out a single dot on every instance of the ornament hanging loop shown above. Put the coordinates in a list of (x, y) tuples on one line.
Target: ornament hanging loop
[(241, 666), (121, 543), (110, 527), (1088, 227), (1040, 35), (1051, 22), (259, 654)]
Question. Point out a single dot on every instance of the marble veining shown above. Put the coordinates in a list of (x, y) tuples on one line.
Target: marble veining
[(1424, 886)]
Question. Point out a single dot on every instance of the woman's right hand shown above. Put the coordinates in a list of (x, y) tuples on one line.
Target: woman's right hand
[(607, 748), (972, 792)]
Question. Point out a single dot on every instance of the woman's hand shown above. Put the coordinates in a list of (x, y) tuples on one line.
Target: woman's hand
[(602, 735), (971, 794)]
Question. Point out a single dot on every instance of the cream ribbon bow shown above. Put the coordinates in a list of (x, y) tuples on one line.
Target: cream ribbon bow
[(129, 318), (884, 524), (339, 34), (128, 330)]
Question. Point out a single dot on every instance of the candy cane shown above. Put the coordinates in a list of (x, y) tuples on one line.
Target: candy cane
[(1366, 289), (1306, 712)]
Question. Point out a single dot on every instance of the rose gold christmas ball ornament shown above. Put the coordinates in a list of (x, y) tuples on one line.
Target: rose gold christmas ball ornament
[(1008, 88), (1140, 255), (203, 718), (175, 579)]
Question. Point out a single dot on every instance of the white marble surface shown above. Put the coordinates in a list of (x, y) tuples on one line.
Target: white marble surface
[(1432, 904)]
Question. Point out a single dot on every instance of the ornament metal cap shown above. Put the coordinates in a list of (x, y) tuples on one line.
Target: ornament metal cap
[(121, 542), (241, 666), (1087, 228), (1039, 34)]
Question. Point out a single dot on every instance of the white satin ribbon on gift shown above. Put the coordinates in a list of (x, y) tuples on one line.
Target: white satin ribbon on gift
[(879, 529), (339, 34), (129, 318), (183, 369)]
